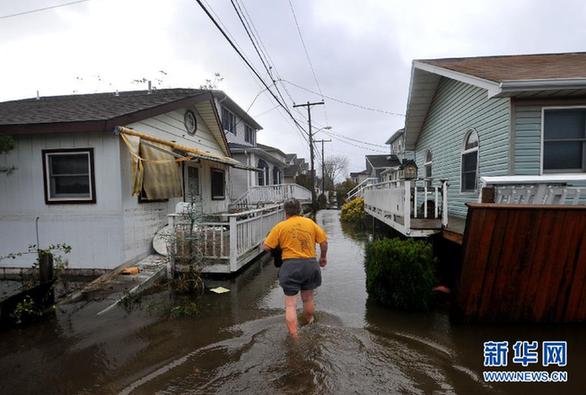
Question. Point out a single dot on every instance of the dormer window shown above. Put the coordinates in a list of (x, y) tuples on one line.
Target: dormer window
[(228, 121)]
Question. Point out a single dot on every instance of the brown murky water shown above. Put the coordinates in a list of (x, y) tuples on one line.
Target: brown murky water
[(238, 343)]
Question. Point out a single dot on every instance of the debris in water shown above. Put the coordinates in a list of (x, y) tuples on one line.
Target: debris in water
[(130, 270), (220, 290)]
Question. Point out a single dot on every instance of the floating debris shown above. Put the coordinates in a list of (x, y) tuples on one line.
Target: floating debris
[(220, 290)]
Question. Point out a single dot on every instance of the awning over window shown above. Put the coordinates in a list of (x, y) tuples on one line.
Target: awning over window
[(155, 163), (190, 152), (154, 169)]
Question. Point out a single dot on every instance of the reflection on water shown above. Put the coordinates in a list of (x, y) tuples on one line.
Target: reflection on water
[(238, 343)]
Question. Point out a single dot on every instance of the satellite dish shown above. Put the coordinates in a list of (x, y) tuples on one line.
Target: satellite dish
[(160, 240)]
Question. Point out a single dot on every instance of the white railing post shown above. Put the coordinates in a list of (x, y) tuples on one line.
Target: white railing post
[(424, 200), (436, 203), (407, 207), (414, 198), (233, 244), (444, 203)]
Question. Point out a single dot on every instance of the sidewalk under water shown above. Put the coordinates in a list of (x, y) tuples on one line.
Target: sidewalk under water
[(238, 343)]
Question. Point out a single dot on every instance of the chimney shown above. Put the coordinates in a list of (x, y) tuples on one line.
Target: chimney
[(150, 90), (38, 97)]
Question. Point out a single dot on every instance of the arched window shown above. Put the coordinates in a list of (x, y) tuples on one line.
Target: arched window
[(263, 173), (469, 177), (427, 164)]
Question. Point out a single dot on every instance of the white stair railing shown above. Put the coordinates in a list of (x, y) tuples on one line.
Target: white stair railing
[(268, 194), (358, 190)]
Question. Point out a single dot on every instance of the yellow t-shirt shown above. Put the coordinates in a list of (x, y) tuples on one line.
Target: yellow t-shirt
[(297, 237)]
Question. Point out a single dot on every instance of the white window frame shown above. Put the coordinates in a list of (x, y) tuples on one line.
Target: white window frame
[(235, 132), (468, 151), (542, 141), (89, 152), (427, 163), (218, 171), (252, 134)]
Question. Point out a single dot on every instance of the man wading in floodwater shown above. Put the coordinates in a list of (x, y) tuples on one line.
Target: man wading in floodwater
[(297, 236)]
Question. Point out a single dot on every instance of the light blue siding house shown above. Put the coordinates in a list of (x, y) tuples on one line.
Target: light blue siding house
[(502, 129), (522, 115)]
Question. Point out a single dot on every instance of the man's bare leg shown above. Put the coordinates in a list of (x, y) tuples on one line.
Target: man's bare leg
[(308, 305), (291, 314)]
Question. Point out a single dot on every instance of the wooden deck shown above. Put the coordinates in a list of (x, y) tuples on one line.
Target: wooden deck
[(523, 263), (454, 231)]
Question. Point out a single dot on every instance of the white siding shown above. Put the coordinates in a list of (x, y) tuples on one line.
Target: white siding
[(169, 126), (94, 231)]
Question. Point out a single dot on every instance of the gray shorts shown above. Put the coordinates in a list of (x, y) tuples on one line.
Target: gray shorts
[(299, 274)]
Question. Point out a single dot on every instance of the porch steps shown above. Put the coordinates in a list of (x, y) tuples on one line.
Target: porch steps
[(116, 287)]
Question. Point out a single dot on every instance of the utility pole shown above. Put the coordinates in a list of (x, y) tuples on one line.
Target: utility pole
[(308, 105), (323, 165)]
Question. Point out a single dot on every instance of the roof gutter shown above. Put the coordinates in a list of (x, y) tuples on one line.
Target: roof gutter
[(514, 86)]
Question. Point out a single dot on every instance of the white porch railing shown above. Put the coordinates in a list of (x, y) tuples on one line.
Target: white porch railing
[(229, 245), (547, 189), (268, 194), (358, 190), (413, 207)]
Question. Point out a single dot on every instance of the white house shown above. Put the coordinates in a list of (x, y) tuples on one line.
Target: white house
[(241, 129), (102, 193)]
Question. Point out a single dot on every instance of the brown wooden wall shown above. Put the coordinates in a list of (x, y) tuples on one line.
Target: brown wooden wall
[(523, 263)]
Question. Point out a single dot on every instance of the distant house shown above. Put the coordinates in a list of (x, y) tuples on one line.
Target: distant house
[(376, 164), (295, 167), (496, 116), (359, 176), (105, 194), (241, 132)]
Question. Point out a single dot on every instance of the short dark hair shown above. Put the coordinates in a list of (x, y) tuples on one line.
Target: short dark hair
[(292, 206)]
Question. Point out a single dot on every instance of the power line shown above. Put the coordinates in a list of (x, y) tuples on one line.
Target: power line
[(363, 107), (306, 51), (353, 144), (43, 9), (356, 140), (269, 60), (233, 45)]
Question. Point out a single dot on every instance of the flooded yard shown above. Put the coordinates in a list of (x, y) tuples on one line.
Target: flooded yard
[(238, 343)]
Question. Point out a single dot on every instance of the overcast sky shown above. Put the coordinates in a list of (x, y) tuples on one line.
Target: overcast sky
[(361, 52)]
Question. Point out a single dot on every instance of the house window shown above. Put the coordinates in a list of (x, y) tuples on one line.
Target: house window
[(263, 173), (218, 184), (69, 176), (249, 134), (228, 121), (564, 141), (276, 175), (469, 164), (192, 182), (427, 164)]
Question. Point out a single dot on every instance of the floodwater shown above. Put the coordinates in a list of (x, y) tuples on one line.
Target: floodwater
[(237, 343)]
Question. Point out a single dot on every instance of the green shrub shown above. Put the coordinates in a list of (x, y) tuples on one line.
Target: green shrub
[(353, 211), (399, 273)]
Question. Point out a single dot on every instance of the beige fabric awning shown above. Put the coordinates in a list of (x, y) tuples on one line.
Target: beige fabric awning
[(190, 152), (152, 170)]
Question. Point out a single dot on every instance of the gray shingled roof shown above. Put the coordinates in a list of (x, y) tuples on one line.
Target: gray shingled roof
[(90, 107), (378, 161)]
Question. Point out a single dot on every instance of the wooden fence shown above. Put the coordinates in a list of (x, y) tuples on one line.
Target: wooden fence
[(523, 263)]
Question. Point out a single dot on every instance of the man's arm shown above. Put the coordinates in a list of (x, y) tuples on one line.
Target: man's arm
[(323, 248), (266, 247)]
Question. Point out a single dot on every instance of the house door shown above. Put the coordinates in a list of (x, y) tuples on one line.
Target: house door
[(192, 191)]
